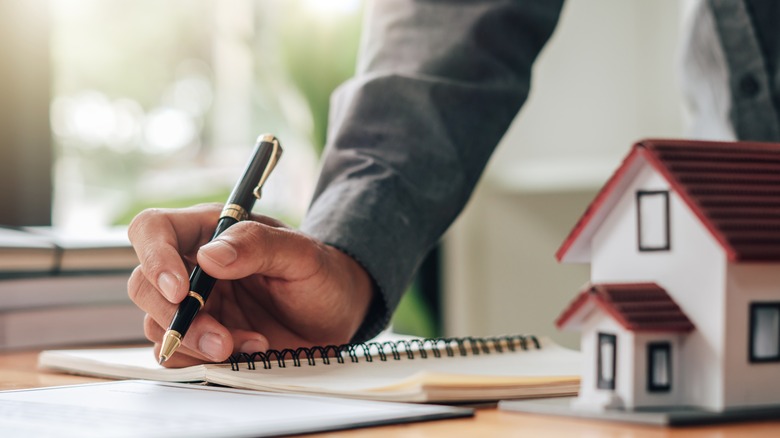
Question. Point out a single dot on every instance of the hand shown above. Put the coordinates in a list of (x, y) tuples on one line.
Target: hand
[(277, 288)]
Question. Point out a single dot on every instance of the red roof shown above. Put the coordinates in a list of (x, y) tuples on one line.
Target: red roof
[(636, 306), (732, 187)]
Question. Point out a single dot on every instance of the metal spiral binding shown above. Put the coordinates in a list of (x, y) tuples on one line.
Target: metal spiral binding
[(398, 350)]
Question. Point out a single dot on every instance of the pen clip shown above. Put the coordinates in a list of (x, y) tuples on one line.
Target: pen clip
[(276, 153)]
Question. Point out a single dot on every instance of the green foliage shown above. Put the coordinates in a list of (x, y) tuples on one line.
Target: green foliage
[(178, 202), (319, 53), (413, 317), (183, 202)]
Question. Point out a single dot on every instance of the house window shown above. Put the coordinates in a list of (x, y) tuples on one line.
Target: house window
[(653, 220), (659, 367), (765, 332), (607, 348)]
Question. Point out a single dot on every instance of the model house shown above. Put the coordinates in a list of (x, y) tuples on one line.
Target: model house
[(683, 307)]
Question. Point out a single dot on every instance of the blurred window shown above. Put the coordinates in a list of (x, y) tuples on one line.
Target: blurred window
[(158, 104)]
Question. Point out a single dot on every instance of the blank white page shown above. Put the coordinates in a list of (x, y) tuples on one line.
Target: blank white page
[(133, 408)]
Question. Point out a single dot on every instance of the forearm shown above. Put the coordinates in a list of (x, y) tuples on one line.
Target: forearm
[(437, 86)]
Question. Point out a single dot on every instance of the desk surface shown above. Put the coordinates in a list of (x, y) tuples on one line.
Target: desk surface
[(18, 370)]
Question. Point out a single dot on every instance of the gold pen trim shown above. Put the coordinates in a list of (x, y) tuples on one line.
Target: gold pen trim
[(198, 297), (170, 343), (235, 211), (276, 153)]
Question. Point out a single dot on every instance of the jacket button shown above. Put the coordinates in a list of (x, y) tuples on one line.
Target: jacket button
[(749, 85)]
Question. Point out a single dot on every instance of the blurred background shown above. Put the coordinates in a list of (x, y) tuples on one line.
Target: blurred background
[(108, 107)]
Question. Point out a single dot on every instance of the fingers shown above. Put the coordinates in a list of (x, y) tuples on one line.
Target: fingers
[(164, 241), (249, 248), (243, 341), (210, 339), (183, 357), (161, 237), (246, 341), (206, 340)]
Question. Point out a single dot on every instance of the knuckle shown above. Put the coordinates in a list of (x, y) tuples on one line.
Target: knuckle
[(151, 329), (142, 218), (312, 254), (134, 283), (311, 250), (152, 268), (248, 237)]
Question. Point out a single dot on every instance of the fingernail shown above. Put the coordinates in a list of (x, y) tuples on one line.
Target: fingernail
[(252, 346), (168, 284), (210, 344), (220, 252)]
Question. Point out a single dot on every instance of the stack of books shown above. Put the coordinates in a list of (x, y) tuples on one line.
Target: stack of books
[(61, 288)]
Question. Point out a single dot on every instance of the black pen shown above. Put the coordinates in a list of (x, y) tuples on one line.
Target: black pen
[(239, 205)]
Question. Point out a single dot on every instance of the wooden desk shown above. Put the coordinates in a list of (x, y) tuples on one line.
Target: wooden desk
[(18, 370)]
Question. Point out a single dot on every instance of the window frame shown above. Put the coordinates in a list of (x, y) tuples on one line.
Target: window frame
[(752, 313), (652, 347), (666, 220), (601, 339)]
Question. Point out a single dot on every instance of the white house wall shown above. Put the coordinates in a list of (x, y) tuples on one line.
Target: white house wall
[(591, 397), (642, 397), (749, 383), (692, 272), (630, 367)]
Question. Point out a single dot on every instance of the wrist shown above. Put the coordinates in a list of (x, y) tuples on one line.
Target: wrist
[(360, 290)]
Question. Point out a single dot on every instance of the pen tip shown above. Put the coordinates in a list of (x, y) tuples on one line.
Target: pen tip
[(171, 341)]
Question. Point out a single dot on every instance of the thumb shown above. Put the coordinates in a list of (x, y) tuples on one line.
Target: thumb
[(249, 248)]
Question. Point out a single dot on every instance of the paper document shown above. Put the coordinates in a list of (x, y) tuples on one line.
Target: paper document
[(134, 408)]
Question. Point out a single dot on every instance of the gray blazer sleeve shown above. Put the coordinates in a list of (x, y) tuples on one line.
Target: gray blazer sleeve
[(438, 84)]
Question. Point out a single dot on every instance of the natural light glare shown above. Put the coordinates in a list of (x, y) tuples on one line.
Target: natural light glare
[(127, 127), (87, 117), (72, 9), (148, 91), (193, 95), (90, 120), (168, 130), (331, 7)]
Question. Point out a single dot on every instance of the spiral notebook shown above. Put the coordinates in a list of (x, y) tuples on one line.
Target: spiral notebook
[(408, 370)]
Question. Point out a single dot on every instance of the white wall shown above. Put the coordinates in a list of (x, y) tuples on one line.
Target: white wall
[(748, 383), (590, 396), (606, 79)]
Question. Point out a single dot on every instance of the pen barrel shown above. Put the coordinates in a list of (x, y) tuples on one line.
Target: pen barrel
[(238, 207), (201, 284), (264, 156), (188, 308), (224, 223)]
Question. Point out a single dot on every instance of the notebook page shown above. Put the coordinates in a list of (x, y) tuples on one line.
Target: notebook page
[(119, 363), (405, 378)]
